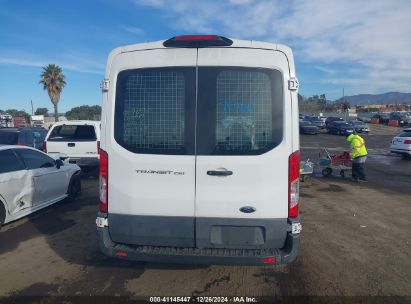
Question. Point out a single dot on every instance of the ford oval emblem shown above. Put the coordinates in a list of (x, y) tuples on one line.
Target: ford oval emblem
[(247, 209)]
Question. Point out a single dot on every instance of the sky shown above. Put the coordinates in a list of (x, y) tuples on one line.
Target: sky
[(358, 46)]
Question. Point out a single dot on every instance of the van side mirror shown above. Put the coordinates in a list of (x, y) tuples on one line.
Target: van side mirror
[(59, 163)]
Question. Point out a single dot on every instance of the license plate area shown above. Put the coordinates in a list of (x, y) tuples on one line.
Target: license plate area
[(240, 233)]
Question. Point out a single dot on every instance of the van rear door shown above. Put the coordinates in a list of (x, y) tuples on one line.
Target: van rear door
[(151, 147), (243, 144)]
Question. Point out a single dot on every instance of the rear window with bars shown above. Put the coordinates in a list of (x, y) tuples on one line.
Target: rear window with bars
[(244, 110), (151, 106), (235, 111)]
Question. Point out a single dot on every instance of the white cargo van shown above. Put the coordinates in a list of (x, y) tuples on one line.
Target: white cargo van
[(199, 158), (78, 139)]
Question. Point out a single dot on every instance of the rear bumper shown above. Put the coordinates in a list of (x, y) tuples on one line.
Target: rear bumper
[(85, 161), (203, 256), (400, 151)]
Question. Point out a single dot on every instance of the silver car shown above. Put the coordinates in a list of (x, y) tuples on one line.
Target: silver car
[(401, 144), (31, 180)]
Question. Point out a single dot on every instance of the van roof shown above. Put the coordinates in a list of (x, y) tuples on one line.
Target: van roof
[(237, 43)]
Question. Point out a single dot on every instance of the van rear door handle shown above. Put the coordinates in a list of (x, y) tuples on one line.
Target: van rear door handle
[(71, 144), (219, 172)]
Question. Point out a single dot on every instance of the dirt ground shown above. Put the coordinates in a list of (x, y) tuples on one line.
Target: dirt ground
[(355, 242)]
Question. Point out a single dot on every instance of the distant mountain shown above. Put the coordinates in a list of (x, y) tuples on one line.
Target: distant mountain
[(386, 98)]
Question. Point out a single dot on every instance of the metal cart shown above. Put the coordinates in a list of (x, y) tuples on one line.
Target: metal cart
[(331, 163), (306, 169)]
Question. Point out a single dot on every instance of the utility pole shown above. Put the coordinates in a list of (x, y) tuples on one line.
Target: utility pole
[(32, 113), (345, 106)]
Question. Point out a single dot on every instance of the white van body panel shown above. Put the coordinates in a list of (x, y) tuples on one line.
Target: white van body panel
[(148, 193), (258, 181)]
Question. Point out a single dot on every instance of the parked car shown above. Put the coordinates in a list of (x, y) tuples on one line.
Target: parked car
[(78, 139), (306, 127), (31, 180), (399, 117), (383, 118), (401, 144), (31, 137), (359, 126), (316, 121), (331, 119), (340, 128), (178, 189)]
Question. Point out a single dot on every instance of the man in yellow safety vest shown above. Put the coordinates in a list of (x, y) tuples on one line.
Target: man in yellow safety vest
[(359, 156)]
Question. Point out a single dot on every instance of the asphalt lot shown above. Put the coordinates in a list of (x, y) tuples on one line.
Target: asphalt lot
[(355, 242)]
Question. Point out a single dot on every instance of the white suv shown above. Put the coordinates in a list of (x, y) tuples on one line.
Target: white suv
[(199, 158), (79, 140)]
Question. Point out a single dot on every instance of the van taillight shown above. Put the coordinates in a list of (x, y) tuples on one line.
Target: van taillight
[(293, 184), (103, 181)]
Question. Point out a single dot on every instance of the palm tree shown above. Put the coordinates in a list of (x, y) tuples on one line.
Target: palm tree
[(53, 82)]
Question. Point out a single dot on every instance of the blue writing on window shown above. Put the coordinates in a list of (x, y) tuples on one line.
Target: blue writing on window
[(238, 107)]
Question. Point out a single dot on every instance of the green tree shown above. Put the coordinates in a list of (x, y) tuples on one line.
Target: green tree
[(53, 82), (84, 113), (41, 111)]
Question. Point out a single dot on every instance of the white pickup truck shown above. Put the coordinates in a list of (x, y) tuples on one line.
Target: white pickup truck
[(79, 140)]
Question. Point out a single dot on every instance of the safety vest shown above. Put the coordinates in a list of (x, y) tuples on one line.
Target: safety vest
[(357, 146)]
